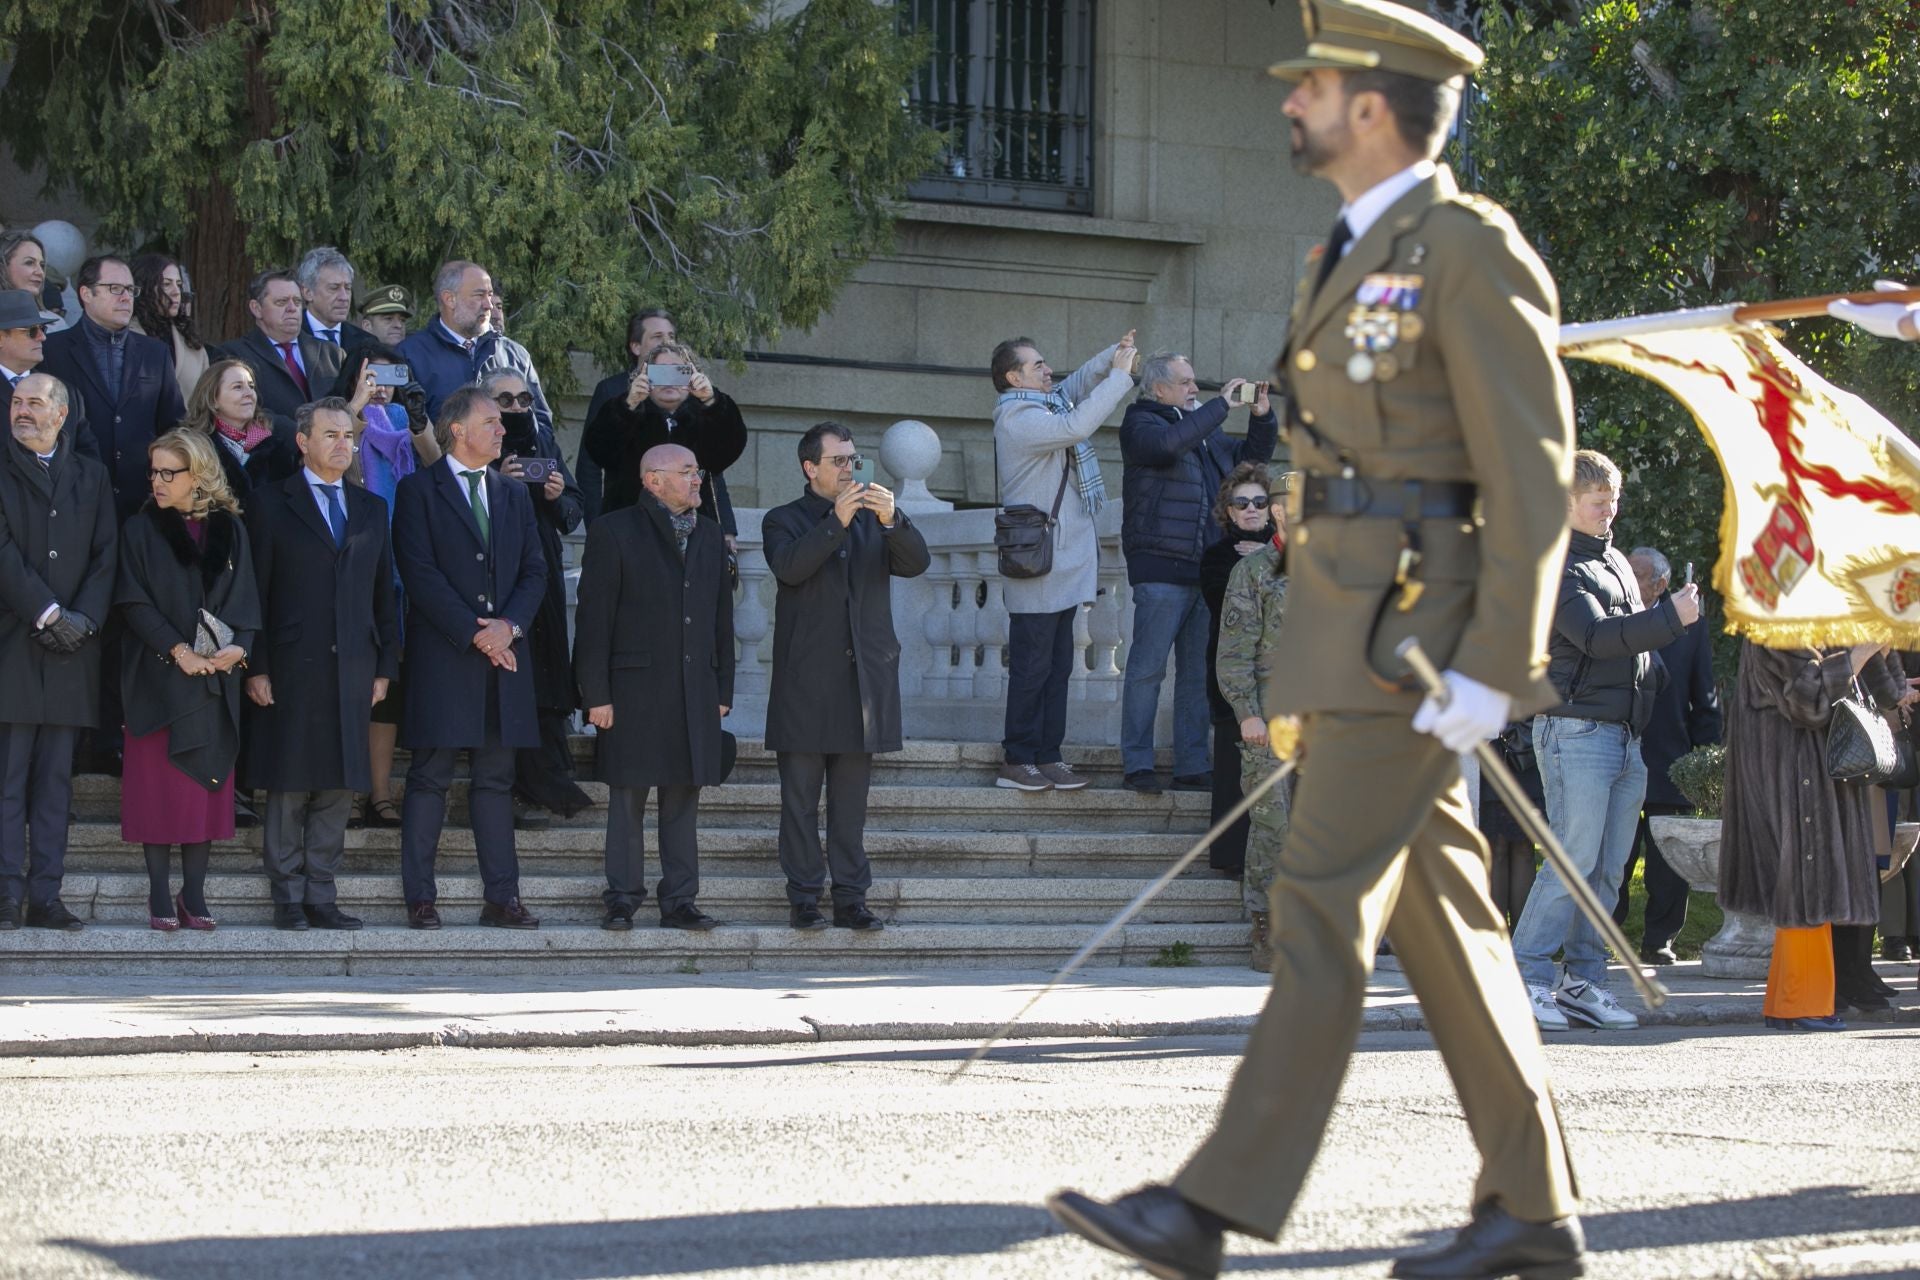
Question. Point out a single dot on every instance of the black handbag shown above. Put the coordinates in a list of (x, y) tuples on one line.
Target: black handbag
[(1906, 769), (1023, 534), (1860, 746)]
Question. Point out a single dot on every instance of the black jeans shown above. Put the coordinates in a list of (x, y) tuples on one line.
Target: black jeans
[(1040, 658), (1667, 889)]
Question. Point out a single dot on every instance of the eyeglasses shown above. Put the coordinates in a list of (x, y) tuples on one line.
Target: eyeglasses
[(32, 330), (512, 400), (120, 290), (166, 475), (1241, 504), (685, 473), (845, 461)]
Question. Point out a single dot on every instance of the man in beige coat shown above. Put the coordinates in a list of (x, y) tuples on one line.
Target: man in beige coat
[(1433, 425)]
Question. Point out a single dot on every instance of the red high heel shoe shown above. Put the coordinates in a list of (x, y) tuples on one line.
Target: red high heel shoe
[(163, 924), (188, 920)]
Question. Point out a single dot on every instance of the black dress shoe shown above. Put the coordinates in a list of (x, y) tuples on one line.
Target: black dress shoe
[(806, 918), (1154, 1226), (421, 915), (54, 916), (1895, 949), (291, 919), (508, 915), (9, 915), (689, 917), (857, 917), (619, 920), (330, 916), (1660, 955), (1496, 1243), (1193, 782), (1143, 781)]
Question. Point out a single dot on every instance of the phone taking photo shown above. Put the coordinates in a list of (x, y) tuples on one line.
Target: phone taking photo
[(1689, 581), (670, 375), (863, 470)]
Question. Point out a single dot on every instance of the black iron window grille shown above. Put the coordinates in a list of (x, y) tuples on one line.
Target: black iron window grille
[(1010, 84)]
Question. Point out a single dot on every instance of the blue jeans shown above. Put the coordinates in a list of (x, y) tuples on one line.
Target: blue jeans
[(1594, 780), (1166, 619)]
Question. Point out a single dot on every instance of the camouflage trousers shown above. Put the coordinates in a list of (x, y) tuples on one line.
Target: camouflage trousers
[(1266, 822)]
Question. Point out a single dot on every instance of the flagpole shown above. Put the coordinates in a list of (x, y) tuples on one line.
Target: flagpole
[(1728, 313)]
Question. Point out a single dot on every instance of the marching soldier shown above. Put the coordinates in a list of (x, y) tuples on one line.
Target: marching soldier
[(1250, 613), (1433, 424)]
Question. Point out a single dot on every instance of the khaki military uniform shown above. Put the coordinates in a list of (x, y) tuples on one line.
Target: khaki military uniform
[(1250, 613), (1381, 828)]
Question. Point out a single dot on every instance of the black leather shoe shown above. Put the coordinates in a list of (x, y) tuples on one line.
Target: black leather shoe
[(54, 916), (1660, 955), (1193, 782), (422, 915), (9, 915), (330, 916), (508, 915), (619, 920), (291, 919), (1895, 949), (1496, 1243), (806, 918), (857, 917), (1154, 1226), (1143, 781), (689, 917)]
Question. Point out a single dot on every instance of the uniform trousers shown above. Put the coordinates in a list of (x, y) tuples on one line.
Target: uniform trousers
[(36, 791), (847, 775), (304, 845), (627, 847), (1381, 830)]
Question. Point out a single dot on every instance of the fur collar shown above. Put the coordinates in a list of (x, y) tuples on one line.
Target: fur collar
[(213, 558)]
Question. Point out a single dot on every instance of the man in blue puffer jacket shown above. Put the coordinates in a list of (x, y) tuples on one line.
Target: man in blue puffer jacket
[(1176, 455)]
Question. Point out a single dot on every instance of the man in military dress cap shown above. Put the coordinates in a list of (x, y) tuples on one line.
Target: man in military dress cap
[(1433, 425)]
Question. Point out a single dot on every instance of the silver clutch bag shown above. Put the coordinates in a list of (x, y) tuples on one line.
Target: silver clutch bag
[(210, 635)]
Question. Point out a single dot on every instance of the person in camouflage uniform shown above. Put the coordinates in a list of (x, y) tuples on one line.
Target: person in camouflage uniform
[(1250, 614)]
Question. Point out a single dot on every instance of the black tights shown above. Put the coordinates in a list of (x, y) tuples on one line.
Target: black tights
[(193, 870)]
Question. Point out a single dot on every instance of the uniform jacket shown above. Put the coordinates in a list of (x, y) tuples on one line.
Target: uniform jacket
[(328, 631), (1480, 397), (1031, 445), (1250, 615), (1216, 568), (1601, 652), (453, 578), (441, 365), (1795, 845), (654, 639), (162, 582), (1686, 713), (59, 544), (279, 394), (836, 660), (1175, 460), (124, 420), (617, 437)]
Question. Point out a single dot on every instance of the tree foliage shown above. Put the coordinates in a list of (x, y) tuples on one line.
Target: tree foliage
[(730, 159), (1673, 154)]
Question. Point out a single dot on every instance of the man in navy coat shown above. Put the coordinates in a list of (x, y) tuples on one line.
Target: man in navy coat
[(124, 379), (470, 560)]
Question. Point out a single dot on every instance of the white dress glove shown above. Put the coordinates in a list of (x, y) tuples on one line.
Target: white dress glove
[(1882, 319), (1470, 714)]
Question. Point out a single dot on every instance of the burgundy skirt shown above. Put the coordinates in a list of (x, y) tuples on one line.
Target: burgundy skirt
[(159, 804)]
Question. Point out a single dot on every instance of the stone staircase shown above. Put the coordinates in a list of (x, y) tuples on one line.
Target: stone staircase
[(966, 875)]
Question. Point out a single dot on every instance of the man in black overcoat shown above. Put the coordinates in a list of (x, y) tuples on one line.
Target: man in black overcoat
[(653, 654), (331, 643), (58, 548), (470, 560), (291, 365), (836, 668)]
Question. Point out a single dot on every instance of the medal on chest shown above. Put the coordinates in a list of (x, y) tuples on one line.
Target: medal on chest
[(1381, 319)]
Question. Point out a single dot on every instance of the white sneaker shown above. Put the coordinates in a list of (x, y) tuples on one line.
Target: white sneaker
[(1594, 1006), (1546, 1010)]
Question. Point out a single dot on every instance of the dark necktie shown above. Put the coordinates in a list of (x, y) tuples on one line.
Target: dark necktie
[(331, 335), (293, 366), (473, 479), (336, 515), (1336, 246)]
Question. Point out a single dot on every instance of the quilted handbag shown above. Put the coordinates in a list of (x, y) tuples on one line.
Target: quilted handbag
[(1860, 746)]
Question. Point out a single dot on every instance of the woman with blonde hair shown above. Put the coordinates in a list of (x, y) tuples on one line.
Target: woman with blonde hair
[(187, 597), (251, 449)]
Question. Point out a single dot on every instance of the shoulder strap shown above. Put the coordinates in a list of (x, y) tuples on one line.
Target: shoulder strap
[(1066, 469)]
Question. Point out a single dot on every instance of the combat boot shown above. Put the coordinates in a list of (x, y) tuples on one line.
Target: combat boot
[(1261, 957)]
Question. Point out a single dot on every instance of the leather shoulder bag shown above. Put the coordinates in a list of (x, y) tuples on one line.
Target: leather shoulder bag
[(1860, 746), (1023, 533)]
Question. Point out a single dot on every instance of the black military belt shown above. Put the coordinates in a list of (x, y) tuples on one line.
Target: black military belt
[(1323, 495)]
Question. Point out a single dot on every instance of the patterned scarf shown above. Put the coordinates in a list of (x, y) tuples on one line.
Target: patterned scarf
[(682, 524), (249, 437), (1092, 486)]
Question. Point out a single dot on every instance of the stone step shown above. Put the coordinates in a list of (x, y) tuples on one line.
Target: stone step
[(459, 949), (898, 806), (759, 899), (96, 847)]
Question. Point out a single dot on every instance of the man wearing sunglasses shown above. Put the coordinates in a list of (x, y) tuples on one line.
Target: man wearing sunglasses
[(1175, 454), (23, 340)]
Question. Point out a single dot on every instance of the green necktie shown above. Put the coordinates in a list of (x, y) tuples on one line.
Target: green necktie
[(473, 479)]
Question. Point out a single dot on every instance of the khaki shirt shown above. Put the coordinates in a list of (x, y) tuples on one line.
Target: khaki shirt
[(1477, 394)]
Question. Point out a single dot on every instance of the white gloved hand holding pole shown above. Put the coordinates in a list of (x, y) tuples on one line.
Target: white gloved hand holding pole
[(1897, 320), (1471, 713)]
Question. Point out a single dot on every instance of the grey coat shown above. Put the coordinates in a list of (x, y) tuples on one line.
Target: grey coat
[(1031, 446), (1795, 845)]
